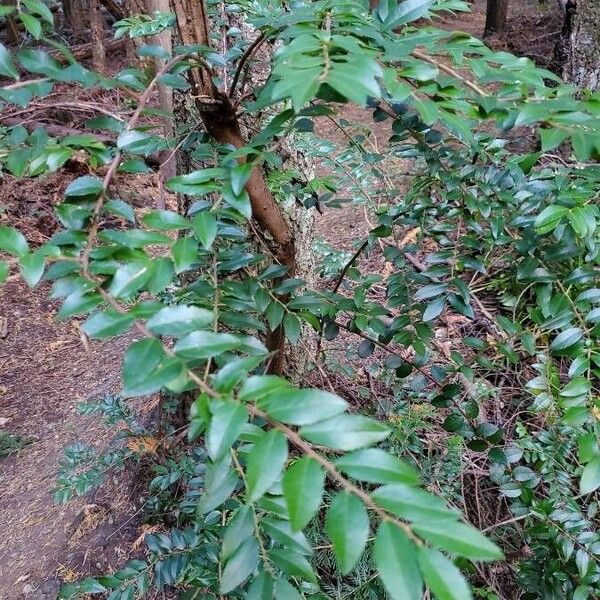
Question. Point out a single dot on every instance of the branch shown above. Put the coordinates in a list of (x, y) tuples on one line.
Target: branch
[(254, 46), (450, 71)]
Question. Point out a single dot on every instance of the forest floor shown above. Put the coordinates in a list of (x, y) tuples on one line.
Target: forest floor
[(48, 367)]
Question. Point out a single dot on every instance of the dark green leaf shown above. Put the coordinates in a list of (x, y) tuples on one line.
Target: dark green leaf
[(265, 463), (303, 485)]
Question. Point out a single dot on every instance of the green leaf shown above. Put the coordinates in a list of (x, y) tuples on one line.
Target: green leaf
[(292, 327), (240, 566), (292, 563), (234, 371), (4, 271), (302, 407), (129, 278), (265, 463), (459, 538), (77, 303), (239, 176), (434, 309), (566, 339), (285, 591), (165, 220), (442, 576), (396, 561), (32, 268), (162, 275), (549, 218), (261, 588), (107, 324), (185, 253), (413, 504), (32, 24), (552, 138), (204, 225), (345, 432), (84, 187), (7, 67), (376, 466), (590, 478), (303, 486), (121, 209), (347, 525), (13, 242), (179, 320), (204, 344), (228, 420), (219, 483), (146, 368), (281, 531)]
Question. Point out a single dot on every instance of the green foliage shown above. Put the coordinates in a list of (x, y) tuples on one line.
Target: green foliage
[(272, 473)]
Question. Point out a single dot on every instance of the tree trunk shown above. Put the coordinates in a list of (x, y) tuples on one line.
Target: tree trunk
[(582, 47), (496, 15), (75, 15), (97, 33), (284, 226)]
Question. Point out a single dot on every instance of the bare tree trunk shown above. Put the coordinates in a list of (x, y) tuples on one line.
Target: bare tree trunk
[(165, 99), (496, 15), (97, 32), (75, 14), (582, 65)]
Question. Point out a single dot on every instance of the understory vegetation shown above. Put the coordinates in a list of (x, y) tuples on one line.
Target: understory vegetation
[(466, 463)]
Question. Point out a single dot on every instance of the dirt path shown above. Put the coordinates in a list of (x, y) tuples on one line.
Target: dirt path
[(45, 370)]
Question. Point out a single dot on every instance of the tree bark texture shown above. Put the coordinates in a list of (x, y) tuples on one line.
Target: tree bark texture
[(496, 15), (97, 32), (582, 66)]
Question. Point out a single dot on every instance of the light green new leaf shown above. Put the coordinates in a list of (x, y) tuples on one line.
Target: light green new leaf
[(265, 463), (459, 538), (345, 432), (376, 466), (302, 407), (442, 576), (396, 561), (303, 485), (347, 525), (226, 424)]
